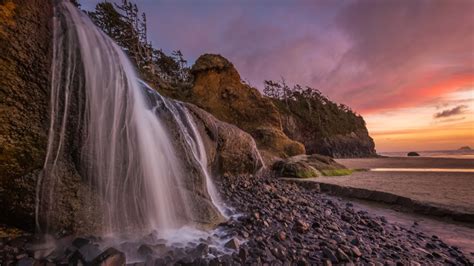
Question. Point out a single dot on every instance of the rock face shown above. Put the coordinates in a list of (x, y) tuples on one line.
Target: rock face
[(351, 144), (25, 45), (219, 90)]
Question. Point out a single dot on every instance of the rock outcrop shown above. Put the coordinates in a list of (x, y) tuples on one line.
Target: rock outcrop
[(342, 143), (218, 89)]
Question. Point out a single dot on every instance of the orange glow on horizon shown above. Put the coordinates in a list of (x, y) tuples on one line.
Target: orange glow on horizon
[(436, 138), (419, 93), (417, 128)]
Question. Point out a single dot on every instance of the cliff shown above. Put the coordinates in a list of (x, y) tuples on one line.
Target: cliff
[(279, 127), (25, 42)]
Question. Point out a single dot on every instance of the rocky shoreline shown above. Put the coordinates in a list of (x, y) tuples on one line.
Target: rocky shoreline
[(279, 223)]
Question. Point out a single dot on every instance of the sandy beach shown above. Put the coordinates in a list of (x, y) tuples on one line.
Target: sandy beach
[(452, 190), (445, 189)]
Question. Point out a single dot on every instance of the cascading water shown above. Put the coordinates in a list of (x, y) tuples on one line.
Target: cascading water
[(193, 141), (127, 152)]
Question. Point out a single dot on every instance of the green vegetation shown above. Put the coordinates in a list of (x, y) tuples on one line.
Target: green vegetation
[(319, 115), (306, 173), (337, 172)]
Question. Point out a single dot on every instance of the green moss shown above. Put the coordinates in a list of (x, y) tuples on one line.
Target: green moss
[(337, 172), (307, 173)]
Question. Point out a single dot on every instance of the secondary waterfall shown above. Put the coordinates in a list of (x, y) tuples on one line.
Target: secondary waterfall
[(137, 148)]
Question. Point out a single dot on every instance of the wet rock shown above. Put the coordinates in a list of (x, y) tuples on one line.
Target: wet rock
[(80, 242), (355, 250), (342, 256), (26, 262), (243, 254), (111, 257), (330, 255), (301, 226), (233, 243), (145, 250), (281, 236), (201, 250), (85, 254)]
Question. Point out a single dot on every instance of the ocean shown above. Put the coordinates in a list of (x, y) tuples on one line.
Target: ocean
[(460, 154)]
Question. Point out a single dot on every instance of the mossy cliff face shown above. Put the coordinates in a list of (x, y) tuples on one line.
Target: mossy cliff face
[(218, 89), (25, 64), (25, 45)]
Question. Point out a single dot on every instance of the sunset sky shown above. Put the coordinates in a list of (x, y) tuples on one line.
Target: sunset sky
[(406, 66)]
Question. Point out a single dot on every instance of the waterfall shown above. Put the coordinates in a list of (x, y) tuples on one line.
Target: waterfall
[(137, 149)]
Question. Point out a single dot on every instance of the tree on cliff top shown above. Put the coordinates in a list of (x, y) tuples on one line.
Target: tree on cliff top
[(128, 28), (316, 111)]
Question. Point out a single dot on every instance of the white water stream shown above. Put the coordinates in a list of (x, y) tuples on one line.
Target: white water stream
[(128, 154)]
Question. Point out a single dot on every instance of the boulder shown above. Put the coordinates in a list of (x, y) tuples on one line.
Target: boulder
[(219, 90), (110, 257), (306, 166), (298, 169), (230, 150)]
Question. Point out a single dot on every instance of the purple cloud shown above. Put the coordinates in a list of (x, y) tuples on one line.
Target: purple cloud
[(368, 54)]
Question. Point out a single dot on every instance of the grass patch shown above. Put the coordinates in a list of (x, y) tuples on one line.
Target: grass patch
[(337, 172)]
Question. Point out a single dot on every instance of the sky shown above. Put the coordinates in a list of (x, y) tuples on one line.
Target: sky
[(407, 66)]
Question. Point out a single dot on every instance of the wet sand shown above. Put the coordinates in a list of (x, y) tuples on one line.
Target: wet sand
[(407, 162), (451, 190)]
